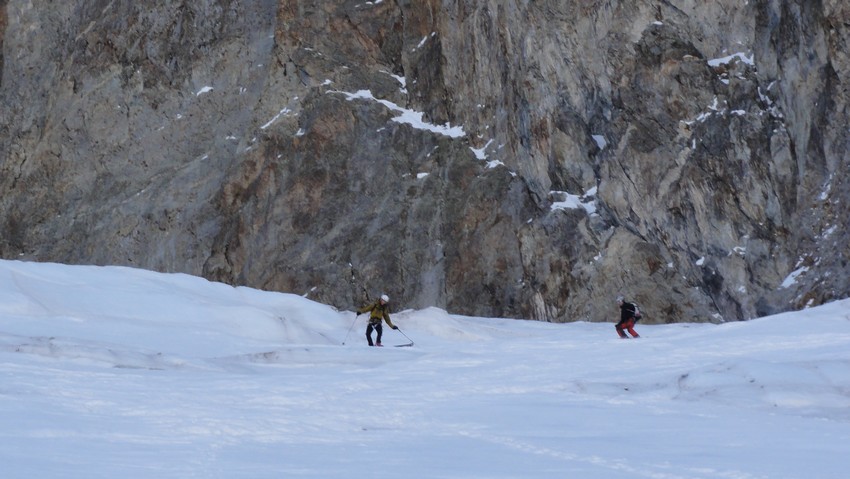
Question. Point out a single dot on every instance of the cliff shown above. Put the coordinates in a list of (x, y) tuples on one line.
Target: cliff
[(493, 158)]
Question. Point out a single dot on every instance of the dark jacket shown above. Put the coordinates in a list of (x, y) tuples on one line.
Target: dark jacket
[(627, 311), (377, 312)]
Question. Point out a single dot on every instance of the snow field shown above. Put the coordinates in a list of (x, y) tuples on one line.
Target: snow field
[(114, 371)]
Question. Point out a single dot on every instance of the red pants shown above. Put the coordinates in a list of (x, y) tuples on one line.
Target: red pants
[(628, 325)]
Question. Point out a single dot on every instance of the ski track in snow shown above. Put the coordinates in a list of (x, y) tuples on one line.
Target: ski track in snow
[(609, 462)]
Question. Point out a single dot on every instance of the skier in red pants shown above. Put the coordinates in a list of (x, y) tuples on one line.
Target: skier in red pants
[(628, 315)]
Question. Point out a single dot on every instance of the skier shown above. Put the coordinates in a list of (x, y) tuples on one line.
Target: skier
[(379, 310), (628, 315)]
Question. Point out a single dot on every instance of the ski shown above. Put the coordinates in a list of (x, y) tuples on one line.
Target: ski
[(403, 345)]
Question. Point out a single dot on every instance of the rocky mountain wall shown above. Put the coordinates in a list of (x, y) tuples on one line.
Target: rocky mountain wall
[(494, 158)]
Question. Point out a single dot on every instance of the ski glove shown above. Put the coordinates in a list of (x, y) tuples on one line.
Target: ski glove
[(395, 327)]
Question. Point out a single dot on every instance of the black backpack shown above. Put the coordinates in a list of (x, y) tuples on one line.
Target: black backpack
[(638, 315)]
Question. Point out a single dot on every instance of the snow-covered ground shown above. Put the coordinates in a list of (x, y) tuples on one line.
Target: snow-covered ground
[(116, 372)]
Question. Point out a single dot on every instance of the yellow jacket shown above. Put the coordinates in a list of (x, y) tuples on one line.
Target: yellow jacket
[(377, 312)]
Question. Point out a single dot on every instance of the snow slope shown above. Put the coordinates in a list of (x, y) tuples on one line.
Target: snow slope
[(114, 372)]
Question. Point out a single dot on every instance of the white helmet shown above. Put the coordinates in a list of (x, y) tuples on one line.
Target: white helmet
[(385, 298)]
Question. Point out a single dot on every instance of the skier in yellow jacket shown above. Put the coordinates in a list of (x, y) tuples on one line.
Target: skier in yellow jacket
[(379, 310)]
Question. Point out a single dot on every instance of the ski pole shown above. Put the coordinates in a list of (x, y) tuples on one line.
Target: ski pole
[(402, 333), (350, 328)]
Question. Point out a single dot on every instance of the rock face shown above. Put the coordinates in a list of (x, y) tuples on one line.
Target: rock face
[(494, 158)]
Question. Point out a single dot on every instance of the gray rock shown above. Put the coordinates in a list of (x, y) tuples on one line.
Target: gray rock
[(516, 159)]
